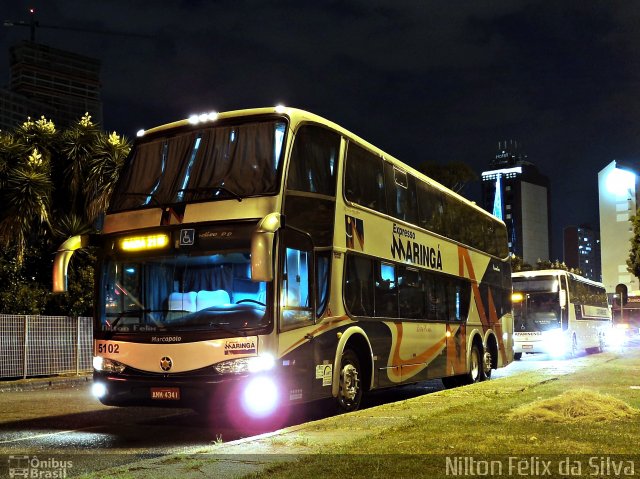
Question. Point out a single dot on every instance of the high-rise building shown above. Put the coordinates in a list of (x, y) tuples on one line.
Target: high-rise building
[(618, 201), (515, 191), (581, 248), (59, 84)]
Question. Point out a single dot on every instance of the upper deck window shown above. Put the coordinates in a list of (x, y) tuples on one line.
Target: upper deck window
[(313, 161), (364, 179), (220, 162)]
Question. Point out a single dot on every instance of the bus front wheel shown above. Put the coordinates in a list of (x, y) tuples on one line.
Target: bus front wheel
[(350, 387)]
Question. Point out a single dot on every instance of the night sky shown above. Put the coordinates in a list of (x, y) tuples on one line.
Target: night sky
[(423, 80)]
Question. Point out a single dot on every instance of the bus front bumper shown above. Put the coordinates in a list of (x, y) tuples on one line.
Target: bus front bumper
[(257, 394)]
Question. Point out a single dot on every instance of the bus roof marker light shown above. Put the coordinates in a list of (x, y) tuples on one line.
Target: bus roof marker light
[(140, 133), (280, 108), (203, 117), (194, 119), (212, 115)]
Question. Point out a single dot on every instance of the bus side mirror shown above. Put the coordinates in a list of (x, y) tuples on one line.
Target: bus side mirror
[(563, 299), (262, 247), (61, 261)]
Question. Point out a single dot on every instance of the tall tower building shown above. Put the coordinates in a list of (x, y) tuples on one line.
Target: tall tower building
[(581, 245), (618, 201), (59, 84), (617, 193), (515, 191)]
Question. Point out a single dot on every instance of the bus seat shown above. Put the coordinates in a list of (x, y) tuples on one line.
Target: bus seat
[(206, 299), (182, 301)]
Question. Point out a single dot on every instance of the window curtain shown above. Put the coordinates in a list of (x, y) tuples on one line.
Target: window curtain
[(240, 158), (209, 278)]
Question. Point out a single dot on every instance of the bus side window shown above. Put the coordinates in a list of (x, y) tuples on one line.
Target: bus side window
[(401, 194), (297, 285), (386, 301), (358, 288), (436, 297), (431, 208), (364, 178), (410, 293)]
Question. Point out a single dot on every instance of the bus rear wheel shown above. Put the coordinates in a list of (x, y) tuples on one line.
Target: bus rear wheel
[(475, 374), (350, 387), (517, 356)]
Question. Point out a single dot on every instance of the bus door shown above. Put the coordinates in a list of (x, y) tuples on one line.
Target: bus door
[(296, 313), (564, 306)]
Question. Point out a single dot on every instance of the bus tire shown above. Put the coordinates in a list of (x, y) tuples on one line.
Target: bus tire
[(475, 373), (450, 382), (517, 356), (350, 387), (475, 365)]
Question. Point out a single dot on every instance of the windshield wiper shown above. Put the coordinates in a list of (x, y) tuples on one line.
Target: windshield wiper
[(125, 314), (228, 329), (213, 189)]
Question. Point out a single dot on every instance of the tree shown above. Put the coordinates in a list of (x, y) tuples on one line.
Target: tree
[(518, 264), (633, 263), (454, 175), (53, 184)]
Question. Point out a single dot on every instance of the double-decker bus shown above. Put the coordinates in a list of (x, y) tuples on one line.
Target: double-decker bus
[(558, 313), (266, 257)]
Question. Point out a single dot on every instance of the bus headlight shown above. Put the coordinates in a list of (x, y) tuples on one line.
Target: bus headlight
[(255, 364), (616, 337), (107, 365), (260, 397), (555, 342), (99, 390)]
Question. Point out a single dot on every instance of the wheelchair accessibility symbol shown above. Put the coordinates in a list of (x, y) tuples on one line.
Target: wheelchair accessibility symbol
[(187, 237)]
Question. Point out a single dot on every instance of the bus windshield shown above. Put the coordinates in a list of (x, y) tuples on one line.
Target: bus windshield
[(537, 312), (227, 161), (183, 292), (538, 305)]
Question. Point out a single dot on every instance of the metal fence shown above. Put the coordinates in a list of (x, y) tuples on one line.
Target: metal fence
[(44, 345)]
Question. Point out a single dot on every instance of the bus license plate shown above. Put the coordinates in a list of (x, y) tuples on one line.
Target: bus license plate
[(527, 346), (171, 394)]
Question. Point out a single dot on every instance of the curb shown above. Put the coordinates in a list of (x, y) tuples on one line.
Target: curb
[(33, 384)]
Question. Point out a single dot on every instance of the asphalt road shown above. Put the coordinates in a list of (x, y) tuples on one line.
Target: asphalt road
[(69, 423)]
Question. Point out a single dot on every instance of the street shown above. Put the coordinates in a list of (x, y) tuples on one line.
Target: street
[(69, 422)]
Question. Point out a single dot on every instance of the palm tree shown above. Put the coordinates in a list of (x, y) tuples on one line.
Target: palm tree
[(26, 188), (47, 174)]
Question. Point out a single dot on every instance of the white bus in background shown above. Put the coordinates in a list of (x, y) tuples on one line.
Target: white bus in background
[(558, 313)]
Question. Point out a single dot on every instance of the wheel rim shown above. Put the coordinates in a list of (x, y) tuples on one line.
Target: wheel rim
[(349, 383), (487, 363)]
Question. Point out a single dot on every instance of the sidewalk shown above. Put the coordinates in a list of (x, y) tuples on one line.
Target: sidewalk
[(48, 382), (325, 442)]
